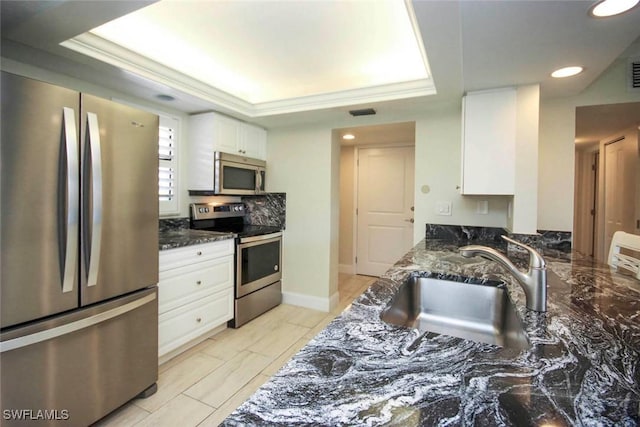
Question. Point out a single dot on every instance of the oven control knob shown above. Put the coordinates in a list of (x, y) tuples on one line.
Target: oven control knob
[(275, 267)]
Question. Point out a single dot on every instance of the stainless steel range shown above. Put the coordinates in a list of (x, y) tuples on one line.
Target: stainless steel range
[(258, 257)]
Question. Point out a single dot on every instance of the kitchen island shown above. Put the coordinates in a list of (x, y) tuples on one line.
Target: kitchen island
[(582, 367)]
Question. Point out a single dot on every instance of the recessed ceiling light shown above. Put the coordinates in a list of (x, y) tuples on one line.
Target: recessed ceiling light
[(348, 136), (606, 8), (566, 72)]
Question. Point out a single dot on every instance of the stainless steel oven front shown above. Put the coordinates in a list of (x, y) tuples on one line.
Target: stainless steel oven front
[(258, 262), (258, 276)]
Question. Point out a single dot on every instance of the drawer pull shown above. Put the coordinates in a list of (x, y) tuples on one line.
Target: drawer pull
[(199, 282), (199, 253), (199, 319)]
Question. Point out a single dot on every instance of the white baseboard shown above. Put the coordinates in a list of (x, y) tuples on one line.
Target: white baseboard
[(347, 268), (308, 301)]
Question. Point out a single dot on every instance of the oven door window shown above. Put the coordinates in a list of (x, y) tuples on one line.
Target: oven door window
[(238, 178), (260, 262), (258, 265)]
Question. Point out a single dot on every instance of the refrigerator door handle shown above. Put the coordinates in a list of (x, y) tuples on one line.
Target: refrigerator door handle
[(68, 328), (96, 191), (73, 200)]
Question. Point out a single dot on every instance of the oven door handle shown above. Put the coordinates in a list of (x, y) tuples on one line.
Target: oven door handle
[(262, 238)]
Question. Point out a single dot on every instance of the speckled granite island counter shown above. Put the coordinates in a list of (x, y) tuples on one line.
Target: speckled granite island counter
[(582, 367)]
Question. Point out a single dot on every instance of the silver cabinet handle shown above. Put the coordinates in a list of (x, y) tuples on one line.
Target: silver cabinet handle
[(199, 253), (73, 199), (96, 190)]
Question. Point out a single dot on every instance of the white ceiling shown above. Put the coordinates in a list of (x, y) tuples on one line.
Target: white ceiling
[(272, 51), (471, 45)]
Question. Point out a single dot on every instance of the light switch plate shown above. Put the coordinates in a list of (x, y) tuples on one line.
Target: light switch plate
[(443, 208)]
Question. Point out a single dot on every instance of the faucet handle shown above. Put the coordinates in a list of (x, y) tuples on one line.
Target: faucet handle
[(535, 259)]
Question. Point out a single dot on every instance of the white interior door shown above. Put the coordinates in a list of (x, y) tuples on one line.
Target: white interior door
[(619, 187), (385, 207)]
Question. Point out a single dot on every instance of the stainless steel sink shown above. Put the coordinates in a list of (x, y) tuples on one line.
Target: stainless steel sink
[(482, 313)]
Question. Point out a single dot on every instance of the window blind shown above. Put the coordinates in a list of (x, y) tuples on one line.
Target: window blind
[(167, 165)]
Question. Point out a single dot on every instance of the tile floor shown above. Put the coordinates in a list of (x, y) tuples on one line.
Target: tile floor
[(203, 385)]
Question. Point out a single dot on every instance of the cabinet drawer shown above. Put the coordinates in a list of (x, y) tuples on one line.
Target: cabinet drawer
[(183, 285), (173, 258), (178, 327)]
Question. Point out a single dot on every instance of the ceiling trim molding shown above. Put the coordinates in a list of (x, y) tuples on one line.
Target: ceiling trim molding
[(380, 93), (111, 53)]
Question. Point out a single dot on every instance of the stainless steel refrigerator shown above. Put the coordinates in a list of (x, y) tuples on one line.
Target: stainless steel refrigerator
[(79, 254)]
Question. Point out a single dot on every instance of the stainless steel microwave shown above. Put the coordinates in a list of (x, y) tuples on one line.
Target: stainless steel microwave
[(238, 175)]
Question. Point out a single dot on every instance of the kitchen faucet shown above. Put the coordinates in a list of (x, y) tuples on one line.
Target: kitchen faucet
[(534, 282)]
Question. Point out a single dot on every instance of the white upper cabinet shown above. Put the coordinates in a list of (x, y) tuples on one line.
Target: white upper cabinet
[(253, 142), (211, 132), (215, 132), (489, 142)]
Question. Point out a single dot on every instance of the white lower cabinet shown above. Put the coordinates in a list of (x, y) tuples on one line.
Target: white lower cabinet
[(195, 293)]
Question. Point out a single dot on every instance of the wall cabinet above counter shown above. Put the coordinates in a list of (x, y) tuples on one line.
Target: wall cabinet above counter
[(216, 132), (500, 132), (212, 132), (488, 142)]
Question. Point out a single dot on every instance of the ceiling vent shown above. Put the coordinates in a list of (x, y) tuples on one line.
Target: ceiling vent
[(634, 74), (362, 112)]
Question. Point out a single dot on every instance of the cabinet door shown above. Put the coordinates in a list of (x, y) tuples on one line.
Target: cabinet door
[(254, 142), (178, 327), (226, 135), (488, 142), (180, 286)]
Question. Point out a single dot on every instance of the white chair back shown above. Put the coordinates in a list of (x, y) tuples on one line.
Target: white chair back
[(631, 262)]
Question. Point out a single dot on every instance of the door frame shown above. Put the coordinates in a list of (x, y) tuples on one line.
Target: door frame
[(356, 190)]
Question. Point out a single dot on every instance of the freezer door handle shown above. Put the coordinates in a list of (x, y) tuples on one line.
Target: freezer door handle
[(68, 328), (70, 249), (93, 130)]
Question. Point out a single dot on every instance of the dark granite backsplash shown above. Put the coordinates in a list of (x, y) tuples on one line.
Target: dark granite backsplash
[(266, 209), (171, 224), (548, 240)]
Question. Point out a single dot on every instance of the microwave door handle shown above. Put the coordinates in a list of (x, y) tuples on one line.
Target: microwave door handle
[(258, 181)]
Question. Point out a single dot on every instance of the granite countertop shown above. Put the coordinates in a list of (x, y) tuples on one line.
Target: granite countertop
[(180, 237), (582, 367)]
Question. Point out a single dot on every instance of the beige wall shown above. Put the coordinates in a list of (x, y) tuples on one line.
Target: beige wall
[(300, 164)]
